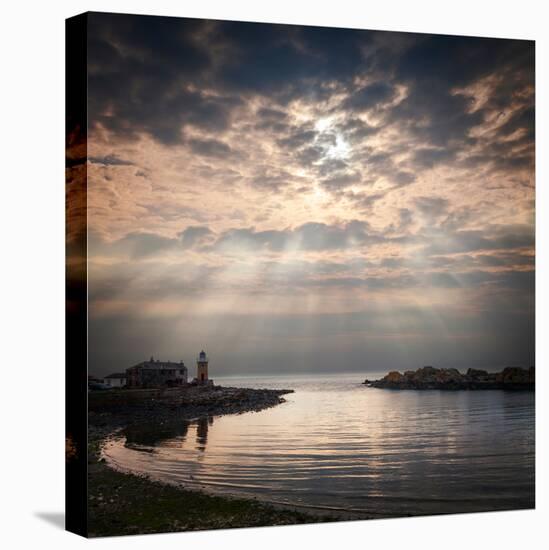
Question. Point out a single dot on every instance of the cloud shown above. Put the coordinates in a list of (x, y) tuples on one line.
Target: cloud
[(431, 207), (141, 245), (369, 96), (492, 238), (298, 139), (310, 155), (404, 178), (110, 160), (271, 114), (271, 178), (341, 181), (194, 235), (431, 157), (458, 60), (209, 147), (311, 236), (355, 129), (523, 119), (383, 183)]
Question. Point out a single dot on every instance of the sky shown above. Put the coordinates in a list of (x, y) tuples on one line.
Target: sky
[(297, 199)]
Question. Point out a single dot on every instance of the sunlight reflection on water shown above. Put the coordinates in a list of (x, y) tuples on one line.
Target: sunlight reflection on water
[(337, 444)]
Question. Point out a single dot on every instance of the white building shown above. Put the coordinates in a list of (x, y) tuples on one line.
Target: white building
[(116, 380)]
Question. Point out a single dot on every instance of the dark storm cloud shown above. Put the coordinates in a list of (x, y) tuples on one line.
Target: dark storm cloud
[(146, 76), (435, 115), (522, 119), (456, 60), (144, 72), (287, 61), (370, 96), (435, 66), (140, 69), (512, 147)]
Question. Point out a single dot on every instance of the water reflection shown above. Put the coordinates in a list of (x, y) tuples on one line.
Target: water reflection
[(145, 437), (336, 444), (202, 432)]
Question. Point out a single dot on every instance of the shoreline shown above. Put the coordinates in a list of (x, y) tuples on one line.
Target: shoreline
[(115, 498), (122, 501), (319, 511)]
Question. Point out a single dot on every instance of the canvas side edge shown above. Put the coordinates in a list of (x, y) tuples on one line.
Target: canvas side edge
[(76, 364)]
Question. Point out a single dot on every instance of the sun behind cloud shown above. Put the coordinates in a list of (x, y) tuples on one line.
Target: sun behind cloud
[(290, 192)]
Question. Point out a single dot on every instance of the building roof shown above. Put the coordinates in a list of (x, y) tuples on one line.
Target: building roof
[(117, 375), (155, 365)]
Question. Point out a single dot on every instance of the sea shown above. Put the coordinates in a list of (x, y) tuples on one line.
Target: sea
[(337, 447)]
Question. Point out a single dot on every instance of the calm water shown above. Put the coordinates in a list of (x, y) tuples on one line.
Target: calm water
[(338, 445)]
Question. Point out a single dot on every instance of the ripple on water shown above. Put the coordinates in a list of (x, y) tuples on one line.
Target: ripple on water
[(341, 446)]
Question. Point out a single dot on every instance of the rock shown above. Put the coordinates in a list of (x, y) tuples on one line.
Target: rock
[(477, 374), (394, 377), (429, 378)]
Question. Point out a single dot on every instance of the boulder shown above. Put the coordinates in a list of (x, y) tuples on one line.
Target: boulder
[(477, 374), (394, 377), (429, 378)]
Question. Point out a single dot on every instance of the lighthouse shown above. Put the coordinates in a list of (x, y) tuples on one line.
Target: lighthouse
[(202, 368)]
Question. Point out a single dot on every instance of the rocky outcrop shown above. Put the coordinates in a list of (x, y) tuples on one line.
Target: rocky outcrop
[(125, 407), (431, 378)]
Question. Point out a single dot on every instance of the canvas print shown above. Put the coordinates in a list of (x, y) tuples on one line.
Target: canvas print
[(300, 274)]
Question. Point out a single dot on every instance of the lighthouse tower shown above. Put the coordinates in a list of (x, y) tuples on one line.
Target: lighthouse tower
[(202, 368)]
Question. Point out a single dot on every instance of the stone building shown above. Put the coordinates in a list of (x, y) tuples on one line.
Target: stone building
[(155, 373)]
